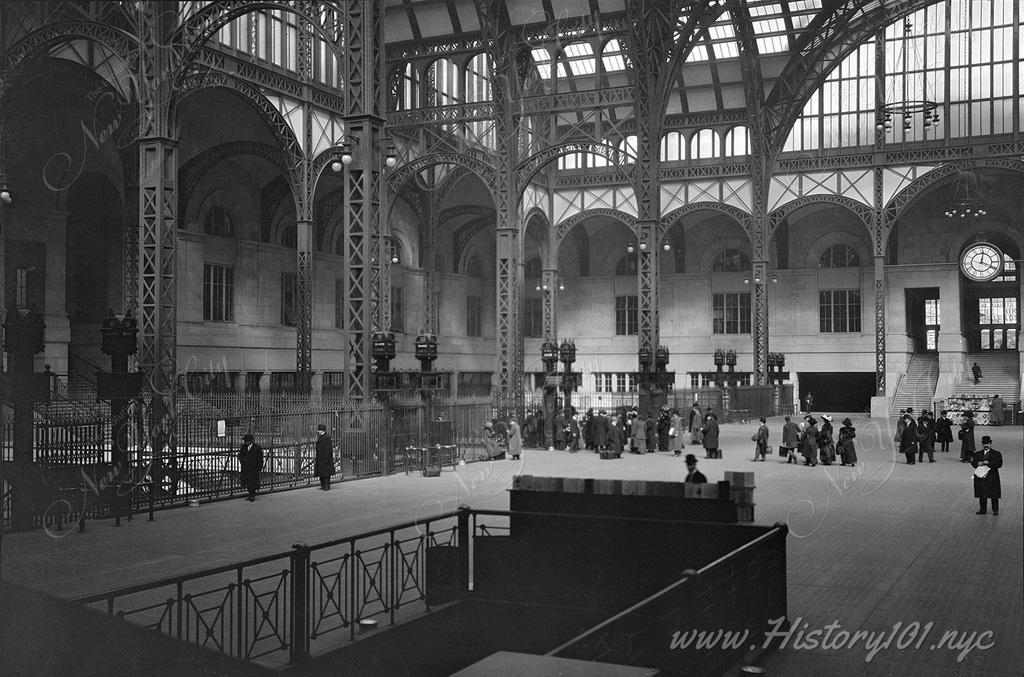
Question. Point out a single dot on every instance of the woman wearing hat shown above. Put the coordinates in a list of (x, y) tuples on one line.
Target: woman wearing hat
[(966, 435), (987, 462), (809, 441), (250, 457), (847, 452), (826, 443)]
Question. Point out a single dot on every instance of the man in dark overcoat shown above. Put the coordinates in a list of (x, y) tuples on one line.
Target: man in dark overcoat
[(323, 465), (987, 487), (710, 433), (908, 441), (599, 426), (250, 457), (966, 435)]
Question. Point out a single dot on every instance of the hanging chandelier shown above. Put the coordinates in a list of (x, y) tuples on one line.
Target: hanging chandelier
[(967, 201), (909, 105)]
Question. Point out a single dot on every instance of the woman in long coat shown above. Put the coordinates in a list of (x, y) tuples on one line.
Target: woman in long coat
[(847, 451), (809, 442), (515, 440), (826, 443), (966, 434), (675, 438), (696, 420)]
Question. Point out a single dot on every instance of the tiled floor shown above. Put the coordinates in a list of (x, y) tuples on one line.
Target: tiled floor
[(875, 548)]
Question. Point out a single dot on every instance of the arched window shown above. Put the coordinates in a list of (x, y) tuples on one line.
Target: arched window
[(626, 265), (736, 142), (478, 88), (704, 145), (407, 88), (474, 267), (673, 147), (731, 260), (839, 256), (442, 83), (218, 222)]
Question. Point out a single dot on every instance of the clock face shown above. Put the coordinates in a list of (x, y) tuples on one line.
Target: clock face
[(982, 262)]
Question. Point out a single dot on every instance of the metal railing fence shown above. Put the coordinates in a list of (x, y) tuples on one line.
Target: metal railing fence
[(284, 606)]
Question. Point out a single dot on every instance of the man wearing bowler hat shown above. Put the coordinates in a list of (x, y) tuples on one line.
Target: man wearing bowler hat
[(693, 475), (986, 462), (250, 456)]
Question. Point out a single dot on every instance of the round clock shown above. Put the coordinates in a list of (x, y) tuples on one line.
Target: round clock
[(982, 262)]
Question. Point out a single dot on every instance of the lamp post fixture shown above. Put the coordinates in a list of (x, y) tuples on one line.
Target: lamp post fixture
[(549, 358), (570, 379), (719, 361), (382, 350), (119, 333), (730, 361)]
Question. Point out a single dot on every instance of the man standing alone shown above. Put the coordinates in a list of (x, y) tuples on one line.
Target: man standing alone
[(987, 462), (324, 463), (250, 457)]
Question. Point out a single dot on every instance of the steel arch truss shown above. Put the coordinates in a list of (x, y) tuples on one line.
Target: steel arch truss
[(190, 175), (563, 228), (400, 176), (741, 217), (899, 203), (38, 43), (529, 167), (276, 122), (863, 211)]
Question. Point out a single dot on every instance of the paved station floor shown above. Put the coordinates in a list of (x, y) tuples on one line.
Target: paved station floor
[(892, 550)]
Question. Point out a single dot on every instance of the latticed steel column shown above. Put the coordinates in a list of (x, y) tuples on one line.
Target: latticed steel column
[(505, 84), (381, 283), (361, 254), (430, 276), (880, 326), (548, 287), (759, 240), (158, 201), (878, 231), (649, 42), (303, 188), (647, 286), (759, 284), (305, 236), (362, 71)]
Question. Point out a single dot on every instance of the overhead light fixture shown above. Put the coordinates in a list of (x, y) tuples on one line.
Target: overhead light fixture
[(908, 105), (346, 152)]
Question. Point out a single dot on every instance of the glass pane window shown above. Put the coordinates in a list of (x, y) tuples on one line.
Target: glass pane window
[(839, 311), (730, 313), (627, 317), (218, 293)]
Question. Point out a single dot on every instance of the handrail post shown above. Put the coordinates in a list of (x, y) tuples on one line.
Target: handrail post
[(465, 537), (300, 603)]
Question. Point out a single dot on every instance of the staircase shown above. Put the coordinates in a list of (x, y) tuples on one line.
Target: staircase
[(917, 387), (1000, 375)]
